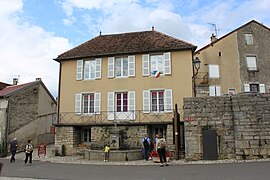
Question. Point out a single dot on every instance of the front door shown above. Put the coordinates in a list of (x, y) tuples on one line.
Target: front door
[(210, 144)]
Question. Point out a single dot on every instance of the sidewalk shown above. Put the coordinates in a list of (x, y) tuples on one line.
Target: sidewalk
[(79, 160)]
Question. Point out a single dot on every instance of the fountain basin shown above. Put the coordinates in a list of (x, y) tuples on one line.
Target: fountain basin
[(115, 155)]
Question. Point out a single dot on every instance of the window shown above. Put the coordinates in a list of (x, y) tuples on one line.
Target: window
[(156, 63), (90, 69), (232, 91), (121, 105), (213, 71), (87, 103), (157, 101), (121, 66), (251, 63), (160, 63), (254, 87), (249, 39), (214, 90), (86, 135), (122, 102)]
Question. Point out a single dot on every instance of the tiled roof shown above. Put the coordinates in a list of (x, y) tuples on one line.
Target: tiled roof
[(11, 89), (126, 43), (3, 85)]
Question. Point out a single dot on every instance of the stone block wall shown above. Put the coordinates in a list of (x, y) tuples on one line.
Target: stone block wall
[(68, 136), (242, 123), (131, 135)]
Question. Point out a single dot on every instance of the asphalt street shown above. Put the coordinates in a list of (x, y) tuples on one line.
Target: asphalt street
[(65, 171)]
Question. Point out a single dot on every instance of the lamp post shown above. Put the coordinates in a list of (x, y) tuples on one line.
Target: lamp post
[(196, 66)]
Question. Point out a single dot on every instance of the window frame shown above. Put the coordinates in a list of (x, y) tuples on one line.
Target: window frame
[(156, 59), (159, 107), (214, 72), (123, 60), (251, 61), (89, 106), (91, 67), (88, 136), (248, 38)]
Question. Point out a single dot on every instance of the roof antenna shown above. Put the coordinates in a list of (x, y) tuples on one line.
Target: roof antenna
[(215, 28), (100, 33)]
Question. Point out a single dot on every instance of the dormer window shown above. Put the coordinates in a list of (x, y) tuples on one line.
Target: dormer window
[(249, 39)]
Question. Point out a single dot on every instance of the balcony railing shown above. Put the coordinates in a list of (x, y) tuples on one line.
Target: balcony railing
[(110, 118), (202, 78)]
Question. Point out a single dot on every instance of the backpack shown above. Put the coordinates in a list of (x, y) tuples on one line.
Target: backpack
[(146, 143)]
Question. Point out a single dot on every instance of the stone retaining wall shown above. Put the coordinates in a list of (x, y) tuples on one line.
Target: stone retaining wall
[(242, 123)]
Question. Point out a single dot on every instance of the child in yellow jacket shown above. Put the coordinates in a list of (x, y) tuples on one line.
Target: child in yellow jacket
[(106, 152)]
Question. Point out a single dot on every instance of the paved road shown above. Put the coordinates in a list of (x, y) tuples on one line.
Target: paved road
[(48, 170)]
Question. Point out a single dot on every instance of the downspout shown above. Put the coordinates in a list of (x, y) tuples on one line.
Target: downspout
[(59, 90)]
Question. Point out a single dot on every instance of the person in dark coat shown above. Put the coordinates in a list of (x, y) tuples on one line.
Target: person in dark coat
[(13, 149)]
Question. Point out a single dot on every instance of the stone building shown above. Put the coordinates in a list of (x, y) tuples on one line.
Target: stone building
[(228, 127), (128, 82), (236, 62), (26, 112)]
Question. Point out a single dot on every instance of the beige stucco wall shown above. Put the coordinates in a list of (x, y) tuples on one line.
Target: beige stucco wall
[(179, 81), (229, 66)]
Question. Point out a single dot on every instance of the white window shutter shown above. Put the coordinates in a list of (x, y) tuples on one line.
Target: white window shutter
[(78, 103), (131, 105), (97, 103), (262, 88), (146, 101), (98, 68), (167, 63), (145, 64), (218, 91), (168, 100), (131, 65), (246, 88), (79, 70), (110, 105), (212, 91), (110, 67)]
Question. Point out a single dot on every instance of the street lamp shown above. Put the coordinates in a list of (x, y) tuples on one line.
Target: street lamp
[(196, 66)]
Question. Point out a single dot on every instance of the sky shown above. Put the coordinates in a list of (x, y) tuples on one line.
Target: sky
[(34, 32)]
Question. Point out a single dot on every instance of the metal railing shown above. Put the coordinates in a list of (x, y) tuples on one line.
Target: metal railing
[(110, 118)]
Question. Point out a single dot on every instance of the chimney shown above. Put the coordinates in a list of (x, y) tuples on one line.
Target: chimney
[(38, 79), (15, 81), (213, 38)]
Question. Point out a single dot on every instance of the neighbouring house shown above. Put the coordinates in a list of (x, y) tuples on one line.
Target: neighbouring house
[(26, 112), (130, 82), (237, 62), (3, 85)]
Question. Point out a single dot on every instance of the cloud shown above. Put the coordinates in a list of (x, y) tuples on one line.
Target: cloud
[(27, 50), (118, 16)]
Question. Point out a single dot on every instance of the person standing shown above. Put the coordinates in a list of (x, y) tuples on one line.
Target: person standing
[(146, 146), (161, 149), (106, 153), (13, 148), (28, 152)]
